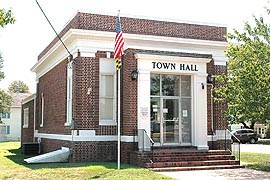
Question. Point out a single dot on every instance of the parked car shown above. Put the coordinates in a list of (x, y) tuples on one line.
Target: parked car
[(245, 135)]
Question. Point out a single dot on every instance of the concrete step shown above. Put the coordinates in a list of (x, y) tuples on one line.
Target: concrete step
[(169, 152), (192, 158), (191, 163), (192, 168)]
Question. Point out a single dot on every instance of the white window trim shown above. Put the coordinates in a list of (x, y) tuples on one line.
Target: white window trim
[(108, 122), (69, 95), (25, 123), (42, 110)]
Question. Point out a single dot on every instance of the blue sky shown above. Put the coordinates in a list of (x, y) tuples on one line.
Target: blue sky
[(21, 43)]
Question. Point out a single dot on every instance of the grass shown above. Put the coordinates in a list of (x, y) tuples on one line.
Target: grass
[(256, 161), (13, 167)]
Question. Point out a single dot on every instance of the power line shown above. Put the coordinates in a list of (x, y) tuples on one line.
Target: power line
[(54, 29)]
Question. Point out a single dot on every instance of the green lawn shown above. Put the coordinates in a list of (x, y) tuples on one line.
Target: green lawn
[(257, 161), (12, 167)]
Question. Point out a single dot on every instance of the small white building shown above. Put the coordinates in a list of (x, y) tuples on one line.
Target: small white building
[(10, 129)]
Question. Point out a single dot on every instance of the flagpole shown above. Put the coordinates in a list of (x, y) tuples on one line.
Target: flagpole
[(118, 121), (118, 52)]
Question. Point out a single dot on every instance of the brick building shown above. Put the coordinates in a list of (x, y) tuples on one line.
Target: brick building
[(170, 100)]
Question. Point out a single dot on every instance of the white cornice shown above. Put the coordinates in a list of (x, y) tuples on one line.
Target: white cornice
[(90, 41), (170, 58)]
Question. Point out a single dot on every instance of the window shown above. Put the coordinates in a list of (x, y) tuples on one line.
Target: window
[(69, 95), (42, 110), (107, 92), (5, 115), (107, 98), (25, 117), (7, 129)]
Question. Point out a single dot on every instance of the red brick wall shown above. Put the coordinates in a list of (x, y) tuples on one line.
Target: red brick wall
[(86, 106), (141, 26), (210, 103), (126, 149), (129, 94), (221, 122), (54, 87), (216, 111), (48, 145), (94, 151), (27, 134)]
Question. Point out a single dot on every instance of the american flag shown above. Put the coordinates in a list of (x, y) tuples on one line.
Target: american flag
[(119, 44)]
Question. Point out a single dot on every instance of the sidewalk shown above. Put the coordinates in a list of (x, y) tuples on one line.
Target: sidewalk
[(220, 174)]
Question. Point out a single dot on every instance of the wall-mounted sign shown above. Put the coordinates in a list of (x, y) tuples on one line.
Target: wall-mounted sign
[(174, 66), (185, 113)]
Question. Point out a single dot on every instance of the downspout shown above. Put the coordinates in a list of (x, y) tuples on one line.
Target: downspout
[(35, 103)]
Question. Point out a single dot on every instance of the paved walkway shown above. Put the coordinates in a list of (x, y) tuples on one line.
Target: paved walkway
[(221, 174)]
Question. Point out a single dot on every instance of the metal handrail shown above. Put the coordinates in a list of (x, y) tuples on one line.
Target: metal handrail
[(237, 140), (152, 144), (151, 140)]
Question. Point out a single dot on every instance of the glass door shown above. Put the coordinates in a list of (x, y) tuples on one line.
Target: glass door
[(170, 121), (171, 113), (155, 119)]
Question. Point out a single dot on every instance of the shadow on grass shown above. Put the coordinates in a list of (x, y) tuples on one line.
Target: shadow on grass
[(18, 158), (260, 166)]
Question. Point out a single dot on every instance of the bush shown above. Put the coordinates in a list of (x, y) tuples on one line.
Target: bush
[(267, 131), (264, 141)]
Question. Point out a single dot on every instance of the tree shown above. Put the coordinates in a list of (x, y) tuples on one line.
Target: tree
[(5, 102), (247, 88), (1, 66), (18, 87), (6, 17)]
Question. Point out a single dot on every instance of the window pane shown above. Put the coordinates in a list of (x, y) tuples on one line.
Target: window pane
[(186, 120), (5, 115), (26, 116), (170, 85), (106, 89), (155, 119), (106, 109), (155, 84), (186, 86), (8, 129)]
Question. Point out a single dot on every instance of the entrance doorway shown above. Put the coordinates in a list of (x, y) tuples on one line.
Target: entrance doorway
[(171, 109)]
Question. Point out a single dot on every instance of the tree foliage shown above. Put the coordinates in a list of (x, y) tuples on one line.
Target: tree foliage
[(18, 87), (6, 17), (1, 66), (247, 88), (5, 102)]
